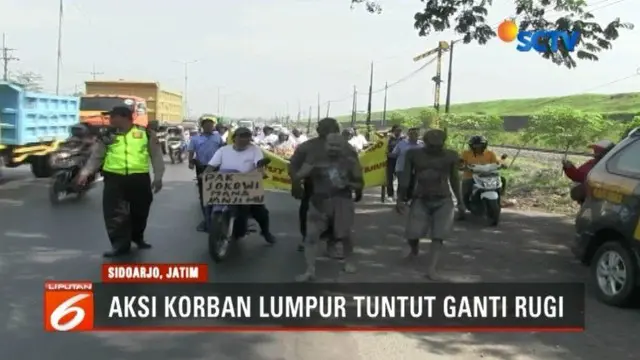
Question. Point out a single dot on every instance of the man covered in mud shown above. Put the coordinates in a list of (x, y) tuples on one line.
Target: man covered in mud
[(336, 176), (431, 207), (303, 188)]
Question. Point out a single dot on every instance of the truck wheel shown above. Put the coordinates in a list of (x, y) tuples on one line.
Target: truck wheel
[(40, 166)]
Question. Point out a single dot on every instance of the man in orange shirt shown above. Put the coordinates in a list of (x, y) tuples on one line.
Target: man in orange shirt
[(476, 155)]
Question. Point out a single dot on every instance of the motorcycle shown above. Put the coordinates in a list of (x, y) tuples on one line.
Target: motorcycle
[(222, 225), (66, 165), (175, 150), (484, 200)]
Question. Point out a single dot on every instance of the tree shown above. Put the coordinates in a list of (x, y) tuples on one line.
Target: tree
[(28, 80), (565, 128), (469, 19)]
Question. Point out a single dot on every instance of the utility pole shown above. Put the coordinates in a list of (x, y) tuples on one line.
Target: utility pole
[(94, 73), (309, 121), (6, 57), (186, 64), (299, 115), (328, 108), (59, 61), (368, 122), (442, 47), (318, 107), (447, 104), (218, 101), (354, 107), (384, 109)]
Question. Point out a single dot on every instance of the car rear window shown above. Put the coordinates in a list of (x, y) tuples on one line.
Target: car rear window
[(626, 161)]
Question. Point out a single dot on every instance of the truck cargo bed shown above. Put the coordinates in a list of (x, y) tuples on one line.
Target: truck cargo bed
[(28, 117)]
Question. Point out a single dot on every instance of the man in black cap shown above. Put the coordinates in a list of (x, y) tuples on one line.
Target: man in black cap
[(124, 157)]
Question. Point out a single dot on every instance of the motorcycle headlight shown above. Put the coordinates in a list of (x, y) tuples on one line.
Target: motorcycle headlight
[(491, 183)]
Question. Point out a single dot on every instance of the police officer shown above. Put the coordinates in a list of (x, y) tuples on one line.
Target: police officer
[(124, 157)]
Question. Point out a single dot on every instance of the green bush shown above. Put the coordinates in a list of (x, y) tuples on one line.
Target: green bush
[(557, 128)]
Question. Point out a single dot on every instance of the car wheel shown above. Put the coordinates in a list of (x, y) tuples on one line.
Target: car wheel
[(614, 273)]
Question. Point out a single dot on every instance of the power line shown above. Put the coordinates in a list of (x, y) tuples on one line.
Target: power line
[(6, 57)]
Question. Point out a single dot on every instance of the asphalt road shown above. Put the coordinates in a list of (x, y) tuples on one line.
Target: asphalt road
[(38, 242)]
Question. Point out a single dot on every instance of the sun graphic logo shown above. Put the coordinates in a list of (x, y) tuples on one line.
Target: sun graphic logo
[(508, 31), (540, 40)]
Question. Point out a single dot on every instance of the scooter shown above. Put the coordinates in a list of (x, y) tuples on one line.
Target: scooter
[(221, 222), (484, 200), (175, 150), (66, 165)]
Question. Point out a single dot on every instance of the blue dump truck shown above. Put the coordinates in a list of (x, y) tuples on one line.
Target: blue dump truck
[(32, 126)]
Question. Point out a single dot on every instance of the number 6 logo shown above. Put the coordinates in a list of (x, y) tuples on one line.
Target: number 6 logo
[(67, 308)]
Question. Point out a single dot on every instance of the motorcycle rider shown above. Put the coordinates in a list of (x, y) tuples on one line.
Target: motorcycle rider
[(242, 156), (477, 154), (335, 177), (177, 134), (201, 149), (80, 139), (437, 174)]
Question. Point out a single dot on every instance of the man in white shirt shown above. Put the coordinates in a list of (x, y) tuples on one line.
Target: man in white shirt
[(360, 142), (242, 156), (285, 142), (270, 137), (353, 140), (298, 136)]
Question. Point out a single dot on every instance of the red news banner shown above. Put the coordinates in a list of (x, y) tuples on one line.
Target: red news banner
[(178, 297)]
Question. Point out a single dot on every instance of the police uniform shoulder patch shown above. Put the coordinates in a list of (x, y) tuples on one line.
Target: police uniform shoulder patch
[(137, 134)]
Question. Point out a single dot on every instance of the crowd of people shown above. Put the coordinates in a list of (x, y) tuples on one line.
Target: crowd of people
[(326, 177)]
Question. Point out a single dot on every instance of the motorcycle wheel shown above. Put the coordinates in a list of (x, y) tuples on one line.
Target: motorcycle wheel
[(219, 243), (173, 160), (493, 210), (56, 188)]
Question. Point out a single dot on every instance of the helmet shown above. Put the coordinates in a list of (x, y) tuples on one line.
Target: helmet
[(202, 120), (79, 130), (478, 142)]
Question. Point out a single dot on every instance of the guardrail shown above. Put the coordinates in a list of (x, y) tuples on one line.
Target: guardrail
[(548, 151)]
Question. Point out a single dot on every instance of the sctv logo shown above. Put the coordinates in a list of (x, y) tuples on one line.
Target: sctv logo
[(540, 40)]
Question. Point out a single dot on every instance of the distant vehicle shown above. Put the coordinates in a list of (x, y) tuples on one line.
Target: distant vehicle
[(32, 127), (246, 123), (92, 107), (160, 104), (277, 127), (608, 224)]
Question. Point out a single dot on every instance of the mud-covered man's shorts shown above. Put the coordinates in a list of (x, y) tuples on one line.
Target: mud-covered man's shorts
[(432, 218)]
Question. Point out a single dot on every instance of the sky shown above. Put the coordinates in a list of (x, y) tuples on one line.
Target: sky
[(272, 57)]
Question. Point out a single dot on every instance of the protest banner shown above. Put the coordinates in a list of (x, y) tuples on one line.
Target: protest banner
[(233, 188), (373, 162)]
